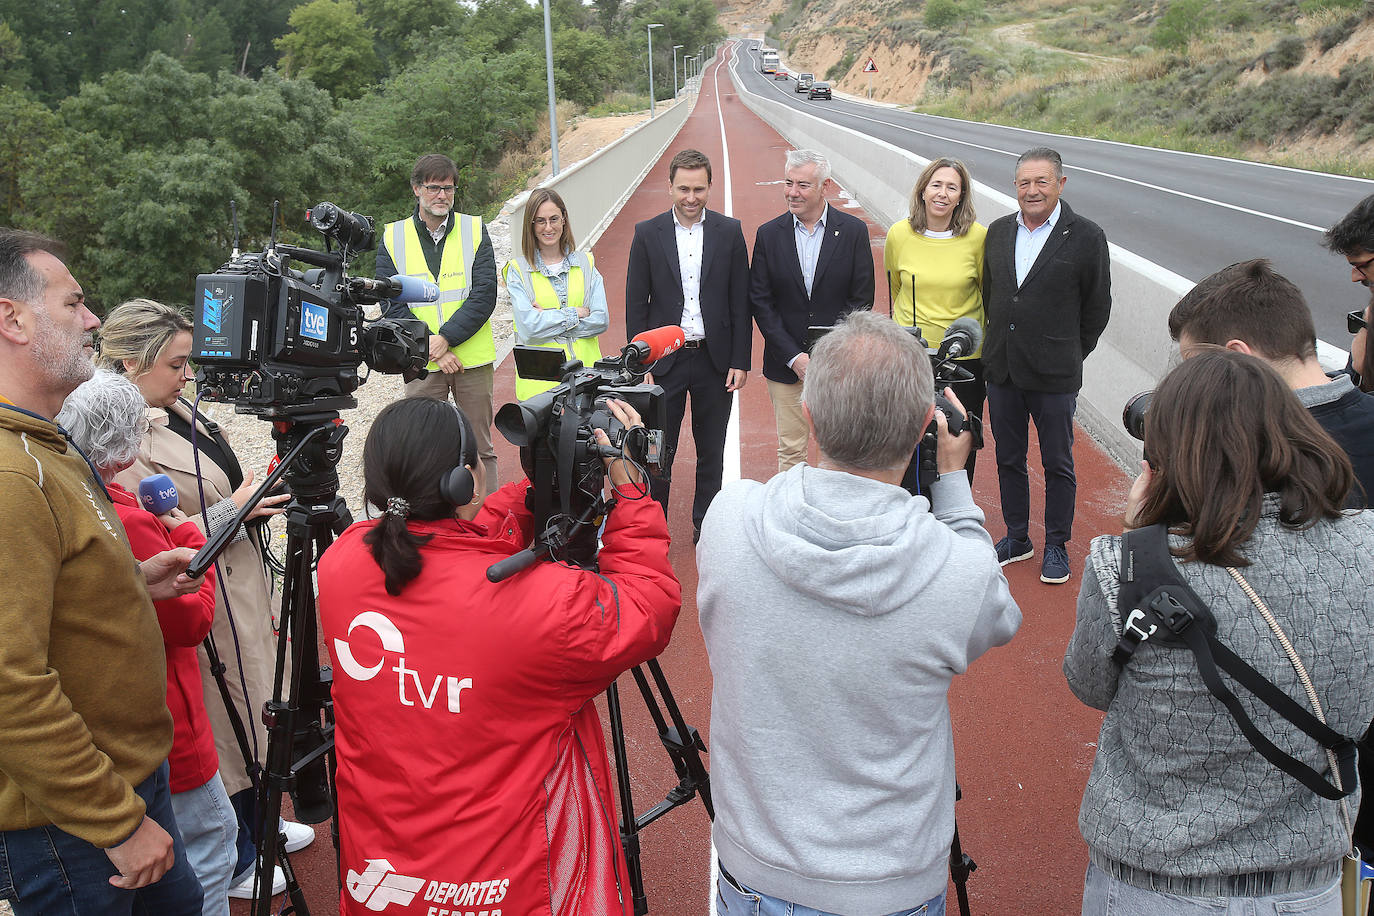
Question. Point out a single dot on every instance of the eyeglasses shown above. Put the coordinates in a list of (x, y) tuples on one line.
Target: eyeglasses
[(1363, 266), (1355, 323), (438, 188), (549, 221)]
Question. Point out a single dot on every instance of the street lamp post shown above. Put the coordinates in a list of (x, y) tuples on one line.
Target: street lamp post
[(675, 50), (553, 105), (649, 30)]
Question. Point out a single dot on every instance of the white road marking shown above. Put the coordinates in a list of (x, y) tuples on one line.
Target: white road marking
[(732, 443)]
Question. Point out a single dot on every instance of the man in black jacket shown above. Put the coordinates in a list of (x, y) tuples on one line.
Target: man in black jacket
[(1249, 308), (690, 267), (812, 265), (1047, 291)]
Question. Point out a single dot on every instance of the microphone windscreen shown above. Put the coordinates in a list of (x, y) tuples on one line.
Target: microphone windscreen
[(661, 341), (157, 493), (415, 289), (969, 326)]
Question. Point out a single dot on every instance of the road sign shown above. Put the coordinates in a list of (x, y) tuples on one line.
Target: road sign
[(870, 67)]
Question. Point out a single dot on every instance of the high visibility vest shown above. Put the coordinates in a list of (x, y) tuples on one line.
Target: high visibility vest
[(587, 349), (402, 242)]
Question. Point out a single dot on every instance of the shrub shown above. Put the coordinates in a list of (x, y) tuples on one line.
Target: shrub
[(1287, 54), (941, 14), (1183, 21)]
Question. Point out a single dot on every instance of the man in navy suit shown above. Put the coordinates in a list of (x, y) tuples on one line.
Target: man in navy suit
[(1047, 289), (812, 265), (690, 267)]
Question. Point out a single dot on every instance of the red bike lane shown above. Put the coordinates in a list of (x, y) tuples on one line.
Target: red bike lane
[(1024, 743)]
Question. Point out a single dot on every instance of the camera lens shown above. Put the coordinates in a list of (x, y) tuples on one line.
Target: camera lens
[(1133, 415)]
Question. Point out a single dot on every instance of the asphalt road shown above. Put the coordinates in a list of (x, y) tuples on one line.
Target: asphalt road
[(1190, 213)]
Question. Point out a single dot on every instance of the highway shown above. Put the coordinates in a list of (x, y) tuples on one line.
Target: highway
[(1190, 213)]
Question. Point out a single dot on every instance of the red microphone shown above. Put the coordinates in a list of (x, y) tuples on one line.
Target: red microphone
[(659, 342)]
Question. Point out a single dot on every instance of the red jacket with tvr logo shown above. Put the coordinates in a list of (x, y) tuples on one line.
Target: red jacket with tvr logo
[(472, 773)]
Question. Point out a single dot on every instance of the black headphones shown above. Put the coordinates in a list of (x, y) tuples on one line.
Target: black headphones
[(456, 485)]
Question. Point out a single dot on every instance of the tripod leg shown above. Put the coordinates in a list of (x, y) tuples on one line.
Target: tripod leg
[(689, 739), (629, 826), (960, 866)]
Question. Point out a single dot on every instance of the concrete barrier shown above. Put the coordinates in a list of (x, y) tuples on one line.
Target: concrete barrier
[(597, 187), (1134, 352)]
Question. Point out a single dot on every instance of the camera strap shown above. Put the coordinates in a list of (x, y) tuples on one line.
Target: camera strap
[(1156, 604)]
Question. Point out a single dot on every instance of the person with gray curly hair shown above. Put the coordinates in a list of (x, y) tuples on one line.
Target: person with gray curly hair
[(822, 572), (107, 418)]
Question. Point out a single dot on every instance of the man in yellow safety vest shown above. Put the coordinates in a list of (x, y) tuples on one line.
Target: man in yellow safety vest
[(461, 347)]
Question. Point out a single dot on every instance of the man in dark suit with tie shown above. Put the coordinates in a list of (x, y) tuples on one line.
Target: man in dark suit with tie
[(1047, 290), (812, 265), (690, 267)]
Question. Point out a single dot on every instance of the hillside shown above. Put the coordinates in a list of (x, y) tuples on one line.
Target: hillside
[(1276, 80)]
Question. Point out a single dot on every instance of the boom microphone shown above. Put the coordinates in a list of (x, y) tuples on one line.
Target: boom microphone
[(400, 288), (962, 338), (157, 493), (657, 343)]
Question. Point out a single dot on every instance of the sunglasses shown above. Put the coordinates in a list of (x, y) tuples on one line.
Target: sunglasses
[(1355, 323)]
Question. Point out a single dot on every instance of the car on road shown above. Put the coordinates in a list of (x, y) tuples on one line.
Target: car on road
[(819, 90), (804, 81), (780, 74)]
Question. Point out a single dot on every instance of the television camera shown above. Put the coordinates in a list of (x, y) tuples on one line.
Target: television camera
[(276, 341), (561, 456)]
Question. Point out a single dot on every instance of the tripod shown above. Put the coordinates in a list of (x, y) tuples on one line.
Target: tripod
[(300, 745), (575, 538), (684, 746)]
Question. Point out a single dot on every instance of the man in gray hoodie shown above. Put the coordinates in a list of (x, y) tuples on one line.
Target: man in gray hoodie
[(837, 608)]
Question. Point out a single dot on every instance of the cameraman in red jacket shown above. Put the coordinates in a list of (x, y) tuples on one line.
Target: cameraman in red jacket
[(472, 773)]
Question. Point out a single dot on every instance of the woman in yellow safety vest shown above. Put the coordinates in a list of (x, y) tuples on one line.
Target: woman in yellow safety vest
[(555, 291)]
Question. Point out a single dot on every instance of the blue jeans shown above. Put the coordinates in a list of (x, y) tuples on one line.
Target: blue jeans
[(209, 828), (45, 871), (1104, 895), (734, 899), (1012, 410)]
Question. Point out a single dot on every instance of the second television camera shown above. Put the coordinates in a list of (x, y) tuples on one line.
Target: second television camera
[(560, 454), (276, 341)]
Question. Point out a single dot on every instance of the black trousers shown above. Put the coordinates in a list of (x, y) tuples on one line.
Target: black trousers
[(694, 374), (1012, 410)]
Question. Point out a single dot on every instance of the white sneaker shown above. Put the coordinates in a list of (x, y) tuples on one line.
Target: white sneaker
[(244, 889), (298, 836)]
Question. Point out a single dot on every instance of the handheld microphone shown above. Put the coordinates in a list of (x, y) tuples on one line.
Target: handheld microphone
[(657, 343), (962, 338), (400, 288), (157, 493)]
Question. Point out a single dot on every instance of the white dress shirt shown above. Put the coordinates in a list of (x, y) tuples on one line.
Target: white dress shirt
[(1030, 242), (689, 241)]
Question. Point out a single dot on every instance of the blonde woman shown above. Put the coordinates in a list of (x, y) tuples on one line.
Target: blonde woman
[(934, 264)]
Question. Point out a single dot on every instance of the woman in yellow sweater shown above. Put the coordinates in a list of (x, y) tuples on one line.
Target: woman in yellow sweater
[(934, 264)]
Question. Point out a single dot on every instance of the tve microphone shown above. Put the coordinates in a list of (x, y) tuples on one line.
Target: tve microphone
[(157, 493), (962, 338), (400, 288), (658, 343)]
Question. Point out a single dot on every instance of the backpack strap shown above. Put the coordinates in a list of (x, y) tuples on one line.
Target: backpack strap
[(1156, 604)]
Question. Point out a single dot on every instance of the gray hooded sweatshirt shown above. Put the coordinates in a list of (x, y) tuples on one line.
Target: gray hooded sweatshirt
[(836, 611)]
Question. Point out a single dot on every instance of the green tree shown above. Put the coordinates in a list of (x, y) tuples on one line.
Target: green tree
[(585, 65), (30, 128), (468, 107), (330, 45), (158, 154), (14, 66), (395, 22)]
